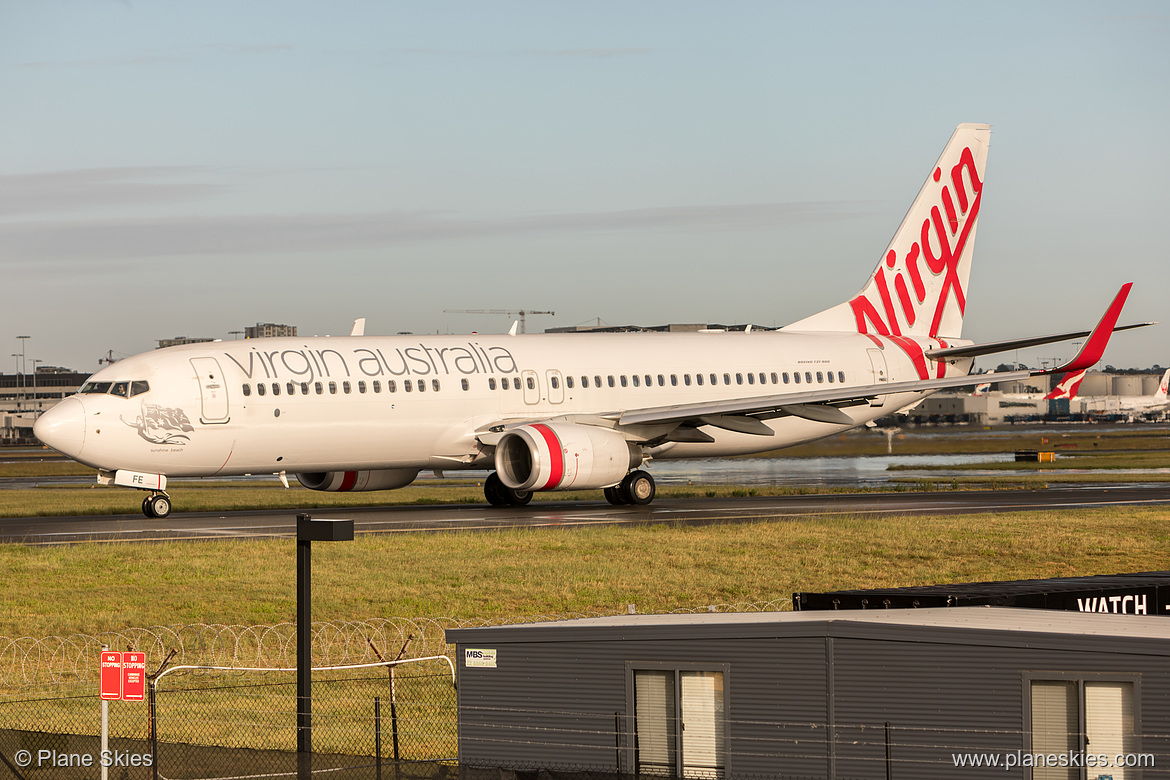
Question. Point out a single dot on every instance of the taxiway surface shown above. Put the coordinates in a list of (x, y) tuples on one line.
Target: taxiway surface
[(570, 514)]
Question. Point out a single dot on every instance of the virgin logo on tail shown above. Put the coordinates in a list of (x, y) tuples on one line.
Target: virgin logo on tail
[(941, 242)]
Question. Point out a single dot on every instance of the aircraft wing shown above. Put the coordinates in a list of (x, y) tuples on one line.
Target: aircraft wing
[(745, 415), (820, 405), (824, 405)]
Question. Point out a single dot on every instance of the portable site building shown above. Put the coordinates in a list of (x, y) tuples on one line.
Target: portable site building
[(874, 694)]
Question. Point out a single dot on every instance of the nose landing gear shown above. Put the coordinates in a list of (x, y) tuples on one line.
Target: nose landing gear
[(156, 505)]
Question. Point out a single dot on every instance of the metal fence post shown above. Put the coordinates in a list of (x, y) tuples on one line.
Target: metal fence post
[(153, 715), (378, 735)]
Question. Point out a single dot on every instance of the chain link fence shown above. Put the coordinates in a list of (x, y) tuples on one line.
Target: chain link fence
[(217, 723)]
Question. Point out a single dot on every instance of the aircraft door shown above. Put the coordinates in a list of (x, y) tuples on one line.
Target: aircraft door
[(212, 390), (531, 386), (877, 361), (556, 386)]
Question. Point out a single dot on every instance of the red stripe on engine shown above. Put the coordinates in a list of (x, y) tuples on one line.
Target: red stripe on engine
[(556, 457), (348, 481)]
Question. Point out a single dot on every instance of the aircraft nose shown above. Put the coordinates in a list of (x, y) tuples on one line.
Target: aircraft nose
[(62, 428)]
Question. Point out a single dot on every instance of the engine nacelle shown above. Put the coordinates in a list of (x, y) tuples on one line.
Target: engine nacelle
[(354, 481), (560, 456)]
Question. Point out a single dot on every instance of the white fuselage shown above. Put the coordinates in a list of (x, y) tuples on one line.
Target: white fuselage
[(419, 402)]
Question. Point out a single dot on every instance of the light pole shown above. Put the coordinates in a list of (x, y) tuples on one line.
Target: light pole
[(35, 404), (23, 369), (16, 375)]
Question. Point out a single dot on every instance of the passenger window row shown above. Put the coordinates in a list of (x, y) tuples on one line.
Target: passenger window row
[(514, 383), (346, 387)]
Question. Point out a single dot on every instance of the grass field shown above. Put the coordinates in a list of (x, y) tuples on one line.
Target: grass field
[(514, 573)]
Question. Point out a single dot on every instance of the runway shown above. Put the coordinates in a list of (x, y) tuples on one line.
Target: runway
[(464, 517)]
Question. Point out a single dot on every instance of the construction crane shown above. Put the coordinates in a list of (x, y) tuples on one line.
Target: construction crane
[(522, 314)]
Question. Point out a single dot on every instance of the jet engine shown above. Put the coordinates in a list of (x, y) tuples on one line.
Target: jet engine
[(560, 456), (352, 481)]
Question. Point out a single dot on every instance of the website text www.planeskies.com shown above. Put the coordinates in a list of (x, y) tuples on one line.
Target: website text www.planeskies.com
[(1069, 759)]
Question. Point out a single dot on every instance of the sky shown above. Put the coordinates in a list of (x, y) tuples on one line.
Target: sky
[(189, 169)]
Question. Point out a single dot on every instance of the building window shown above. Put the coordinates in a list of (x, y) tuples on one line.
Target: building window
[(1071, 716), (679, 723)]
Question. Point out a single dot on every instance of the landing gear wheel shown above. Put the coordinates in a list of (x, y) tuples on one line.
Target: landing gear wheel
[(638, 487), (494, 491), (614, 496), (519, 497), (158, 506), (499, 494)]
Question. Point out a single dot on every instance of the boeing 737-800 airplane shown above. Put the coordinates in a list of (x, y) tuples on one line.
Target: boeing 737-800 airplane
[(552, 411)]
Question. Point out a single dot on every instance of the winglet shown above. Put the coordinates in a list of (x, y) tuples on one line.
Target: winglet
[(1095, 345), (359, 327)]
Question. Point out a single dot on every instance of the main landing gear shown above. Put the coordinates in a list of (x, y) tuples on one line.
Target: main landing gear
[(637, 488), (499, 494), (156, 505)]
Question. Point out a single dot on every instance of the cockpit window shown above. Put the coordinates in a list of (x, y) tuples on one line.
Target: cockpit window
[(120, 389)]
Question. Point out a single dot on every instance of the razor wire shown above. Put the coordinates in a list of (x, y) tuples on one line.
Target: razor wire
[(71, 660)]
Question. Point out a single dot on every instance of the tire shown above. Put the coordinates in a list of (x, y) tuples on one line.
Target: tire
[(639, 487), (613, 495), (146, 508), (519, 497), (495, 492), (160, 506)]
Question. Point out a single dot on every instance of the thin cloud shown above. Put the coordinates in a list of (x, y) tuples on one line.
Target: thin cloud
[(123, 239), (63, 191), (183, 54), (629, 51)]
